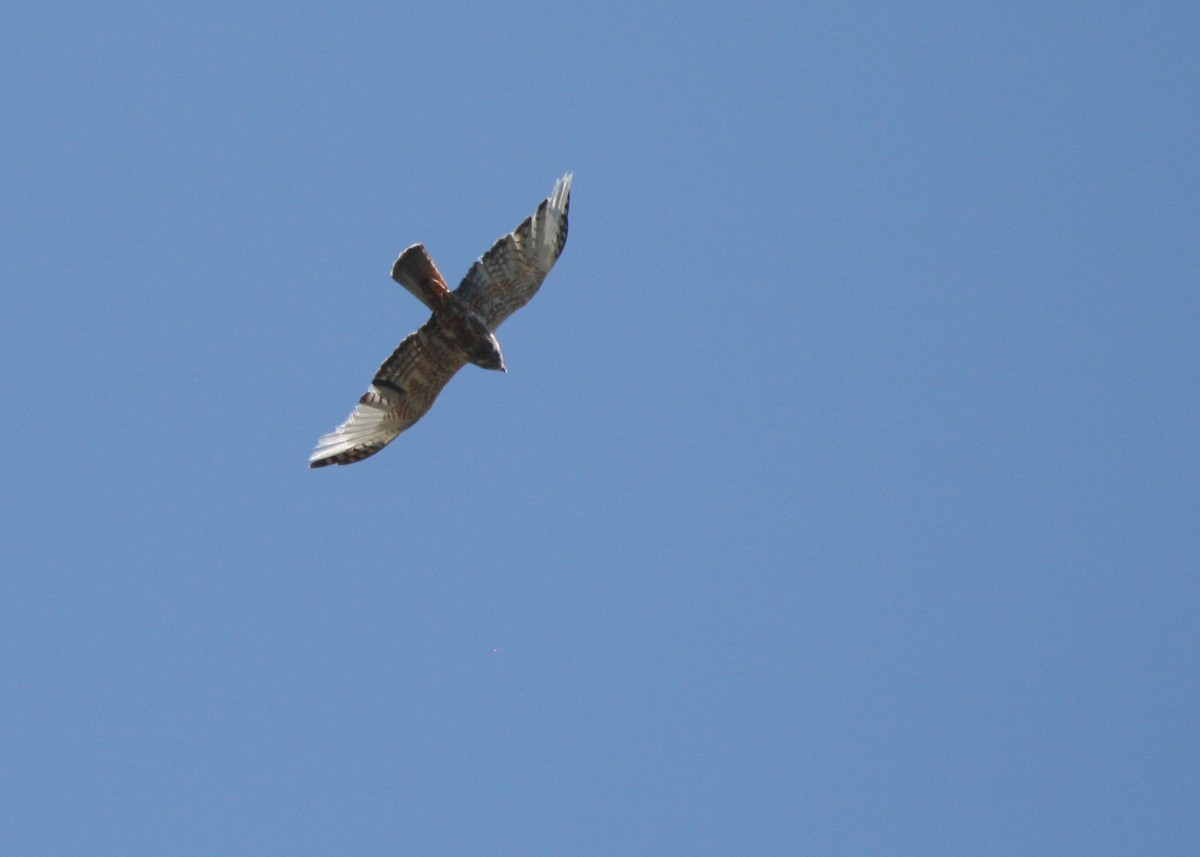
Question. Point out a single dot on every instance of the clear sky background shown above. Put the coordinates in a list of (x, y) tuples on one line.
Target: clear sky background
[(841, 498)]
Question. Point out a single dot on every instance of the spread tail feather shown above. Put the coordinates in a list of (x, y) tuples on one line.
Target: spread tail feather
[(416, 271)]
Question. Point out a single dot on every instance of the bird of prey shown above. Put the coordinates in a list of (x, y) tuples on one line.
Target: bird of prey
[(461, 330)]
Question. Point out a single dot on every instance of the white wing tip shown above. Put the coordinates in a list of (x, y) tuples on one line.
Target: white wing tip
[(562, 192), (366, 430)]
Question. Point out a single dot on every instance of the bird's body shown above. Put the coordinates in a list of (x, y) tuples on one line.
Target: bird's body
[(461, 331), (416, 272)]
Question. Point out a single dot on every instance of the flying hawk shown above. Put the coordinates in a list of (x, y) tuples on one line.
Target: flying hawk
[(460, 331)]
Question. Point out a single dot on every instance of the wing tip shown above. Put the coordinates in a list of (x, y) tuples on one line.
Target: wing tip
[(344, 456), (560, 197)]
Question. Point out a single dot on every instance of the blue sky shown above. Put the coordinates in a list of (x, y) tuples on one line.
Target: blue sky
[(841, 496)]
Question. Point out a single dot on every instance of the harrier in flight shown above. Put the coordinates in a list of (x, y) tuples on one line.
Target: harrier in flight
[(461, 330)]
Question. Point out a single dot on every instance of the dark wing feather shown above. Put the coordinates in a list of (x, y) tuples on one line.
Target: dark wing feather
[(505, 278)]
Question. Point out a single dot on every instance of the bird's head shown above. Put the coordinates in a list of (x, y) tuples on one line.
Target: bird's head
[(490, 358), (485, 352)]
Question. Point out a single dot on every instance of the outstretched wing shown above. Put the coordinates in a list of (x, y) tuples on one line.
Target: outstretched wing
[(507, 276), (403, 389)]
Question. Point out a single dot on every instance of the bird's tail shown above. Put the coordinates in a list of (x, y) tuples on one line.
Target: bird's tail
[(416, 272)]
